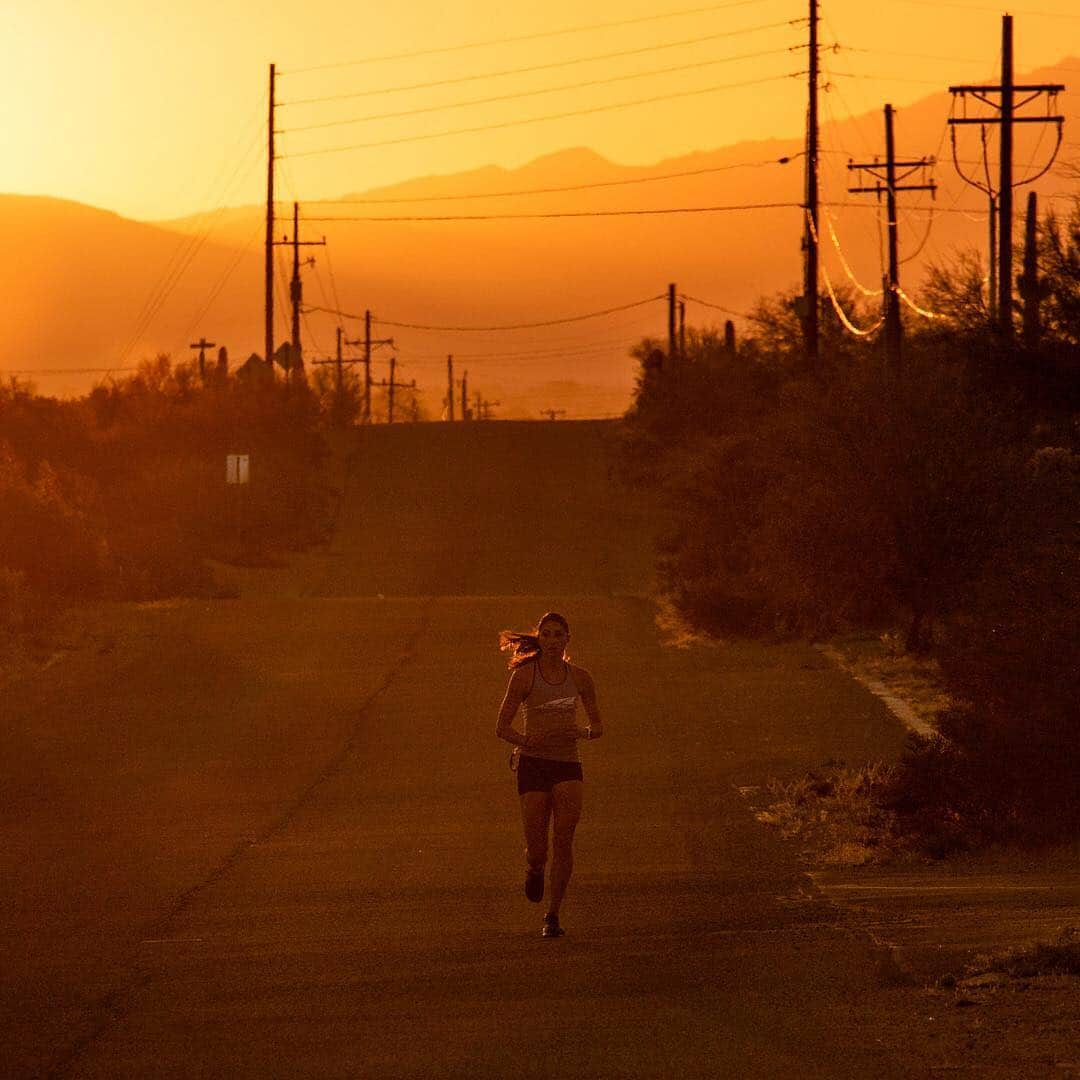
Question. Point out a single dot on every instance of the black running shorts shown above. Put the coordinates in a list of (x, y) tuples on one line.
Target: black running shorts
[(539, 774)]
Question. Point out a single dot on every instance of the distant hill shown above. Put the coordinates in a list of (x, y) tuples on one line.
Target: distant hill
[(84, 275)]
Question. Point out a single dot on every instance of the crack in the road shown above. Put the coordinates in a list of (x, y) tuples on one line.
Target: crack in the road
[(119, 1003)]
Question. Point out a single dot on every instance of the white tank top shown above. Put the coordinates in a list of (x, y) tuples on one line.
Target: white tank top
[(548, 708)]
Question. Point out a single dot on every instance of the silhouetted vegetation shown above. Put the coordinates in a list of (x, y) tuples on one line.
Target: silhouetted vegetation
[(942, 497), (122, 493)]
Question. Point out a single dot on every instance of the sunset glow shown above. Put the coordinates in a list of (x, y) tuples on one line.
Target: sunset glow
[(156, 112)]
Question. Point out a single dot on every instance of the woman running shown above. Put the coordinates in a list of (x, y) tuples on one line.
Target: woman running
[(547, 688)]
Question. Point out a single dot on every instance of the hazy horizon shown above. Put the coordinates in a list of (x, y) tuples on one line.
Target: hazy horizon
[(156, 134)]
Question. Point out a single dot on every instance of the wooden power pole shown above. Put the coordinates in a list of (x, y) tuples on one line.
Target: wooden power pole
[(268, 302), (889, 185), (369, 344), (296, 289), (809, 305), (202, 345), (450, 389), (1008, 114), (671, 307)]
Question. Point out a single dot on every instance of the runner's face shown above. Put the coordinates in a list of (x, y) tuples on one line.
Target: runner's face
[(553, 638)]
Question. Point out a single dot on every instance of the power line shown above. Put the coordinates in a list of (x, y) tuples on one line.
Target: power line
[(65, 371), (457, 80), (882, 77), (524, 37), (536, 93), (715, 307), (567, 213), (555, 190), (188, 248), (485, 329), (996, 10), (595, 353), (914, 55), (538, 119), (222, 280)]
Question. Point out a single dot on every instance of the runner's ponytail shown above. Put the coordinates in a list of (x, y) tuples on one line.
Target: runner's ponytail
[(525, 647)]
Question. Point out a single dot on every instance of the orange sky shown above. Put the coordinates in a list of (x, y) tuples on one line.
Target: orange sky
[(157, 111)]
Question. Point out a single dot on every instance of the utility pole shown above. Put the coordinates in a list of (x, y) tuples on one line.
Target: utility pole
[(268, 302), (1007, 115), (893, 324), (671, 323), (682, 329), (450, 389), (1028, 283), (340, 363), (296, 289), (367, 366), (340, 374), (202, 345), (991, 291), (465, 396), (392, 384), (1005, 182), (368, 345), (809, 307)]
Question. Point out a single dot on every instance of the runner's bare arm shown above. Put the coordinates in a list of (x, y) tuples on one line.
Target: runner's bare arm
[(587, 689), (516, 690)]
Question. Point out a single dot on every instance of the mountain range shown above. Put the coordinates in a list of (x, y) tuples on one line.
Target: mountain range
[(88, 289)]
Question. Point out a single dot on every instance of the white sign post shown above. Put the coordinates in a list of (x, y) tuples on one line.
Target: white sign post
[(237, 468), (237, 478)]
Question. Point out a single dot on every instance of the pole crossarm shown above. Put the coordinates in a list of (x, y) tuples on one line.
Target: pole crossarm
[(889, 185), (1055, 119), (883, 187), (1034, 88)]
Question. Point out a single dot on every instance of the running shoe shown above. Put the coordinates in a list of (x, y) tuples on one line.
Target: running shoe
[(551, 926), (534, 885)]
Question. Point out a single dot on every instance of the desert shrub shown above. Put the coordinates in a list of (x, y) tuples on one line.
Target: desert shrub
[(804, 504), (1012, 663), (122, 493), (944, 496), (49, 536)]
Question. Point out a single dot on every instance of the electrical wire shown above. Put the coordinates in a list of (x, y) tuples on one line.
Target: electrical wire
[(457, 80), (843, 261), (883, 77), (716, 307), (842, 315), (996, 10), (511, 326), (555, 190), (65, 371), (539, 119), (221, 282), (187, 249), (607, 80), (914, 55), (564, 214), (915, 307), (523, 37)]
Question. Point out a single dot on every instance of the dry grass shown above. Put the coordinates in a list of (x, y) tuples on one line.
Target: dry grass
[(834, 813), (915, 680), (1061, 957)]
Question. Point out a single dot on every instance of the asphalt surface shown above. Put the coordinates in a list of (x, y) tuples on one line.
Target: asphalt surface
[(275, 836)]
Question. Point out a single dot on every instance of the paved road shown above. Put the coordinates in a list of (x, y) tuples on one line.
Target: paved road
[(275, 836)]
